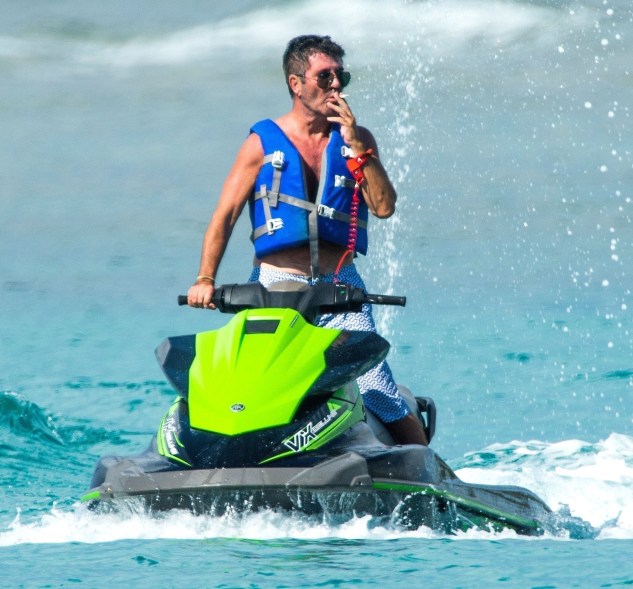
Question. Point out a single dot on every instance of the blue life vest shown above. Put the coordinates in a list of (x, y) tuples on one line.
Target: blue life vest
[(282, 215)]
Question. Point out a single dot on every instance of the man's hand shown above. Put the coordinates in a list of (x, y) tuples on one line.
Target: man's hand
[(349, 129), (200, 294)]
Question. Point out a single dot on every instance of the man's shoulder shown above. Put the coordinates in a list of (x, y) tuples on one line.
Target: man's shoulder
[(262, 125), (252, 149)]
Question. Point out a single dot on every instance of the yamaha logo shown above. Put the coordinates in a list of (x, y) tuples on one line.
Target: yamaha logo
[(237, 407)]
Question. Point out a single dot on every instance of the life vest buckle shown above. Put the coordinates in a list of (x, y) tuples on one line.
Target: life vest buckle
[(347, 152), (273, 224), (278, 160), (343, 181), (325, 211)]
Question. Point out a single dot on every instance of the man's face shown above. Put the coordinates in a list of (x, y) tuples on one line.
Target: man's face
[(320, 68)]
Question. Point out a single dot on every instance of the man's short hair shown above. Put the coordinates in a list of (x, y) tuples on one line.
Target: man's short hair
[(299, 50)]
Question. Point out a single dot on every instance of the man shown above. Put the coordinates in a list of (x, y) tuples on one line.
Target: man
[(293, 173)]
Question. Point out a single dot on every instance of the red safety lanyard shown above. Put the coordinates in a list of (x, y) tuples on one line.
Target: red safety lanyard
[(355, 166)]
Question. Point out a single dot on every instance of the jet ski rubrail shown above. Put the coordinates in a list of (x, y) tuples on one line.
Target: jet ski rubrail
[(268, 415)]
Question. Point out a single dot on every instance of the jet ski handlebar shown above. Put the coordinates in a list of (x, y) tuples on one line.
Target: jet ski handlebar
[(379, 299), (310, 301)]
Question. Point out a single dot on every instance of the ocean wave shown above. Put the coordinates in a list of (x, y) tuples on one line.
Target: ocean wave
[(27, 431), (46, 458), (379, 27), (593, 480), (22, 418)]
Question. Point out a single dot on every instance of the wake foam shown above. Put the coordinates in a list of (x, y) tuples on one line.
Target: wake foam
[(594, 481), (82, 525), (577, 479)]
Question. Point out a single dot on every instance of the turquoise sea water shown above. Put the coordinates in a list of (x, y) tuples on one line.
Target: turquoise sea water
[(506, 127)]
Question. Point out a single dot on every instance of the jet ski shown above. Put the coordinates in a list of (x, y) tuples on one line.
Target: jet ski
[(268, 415)]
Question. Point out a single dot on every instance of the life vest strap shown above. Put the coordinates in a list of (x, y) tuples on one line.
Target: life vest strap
[(267, 214), (319, 210), (278, 161)]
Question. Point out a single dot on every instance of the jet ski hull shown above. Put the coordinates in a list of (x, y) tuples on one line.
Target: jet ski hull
[(337, 489)]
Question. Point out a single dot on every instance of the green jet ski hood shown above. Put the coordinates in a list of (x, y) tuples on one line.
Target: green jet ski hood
[(255, 371)]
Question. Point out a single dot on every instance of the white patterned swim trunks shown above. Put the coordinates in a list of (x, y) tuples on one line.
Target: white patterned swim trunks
[(377, 386)]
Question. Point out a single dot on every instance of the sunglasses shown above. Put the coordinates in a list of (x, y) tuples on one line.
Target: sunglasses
[(324, 79)]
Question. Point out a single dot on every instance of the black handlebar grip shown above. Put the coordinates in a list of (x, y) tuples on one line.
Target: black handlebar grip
[(215, 299), (378, 299)]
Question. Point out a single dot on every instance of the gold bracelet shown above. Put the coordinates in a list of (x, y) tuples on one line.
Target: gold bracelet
[(203, 277)]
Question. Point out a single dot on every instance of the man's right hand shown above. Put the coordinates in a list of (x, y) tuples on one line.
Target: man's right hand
[(200, 294)]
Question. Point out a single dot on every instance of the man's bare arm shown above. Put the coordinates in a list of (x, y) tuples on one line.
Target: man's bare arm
[(235, 193)]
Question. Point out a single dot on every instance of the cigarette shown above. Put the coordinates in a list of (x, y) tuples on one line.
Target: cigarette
[(343, 95)]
